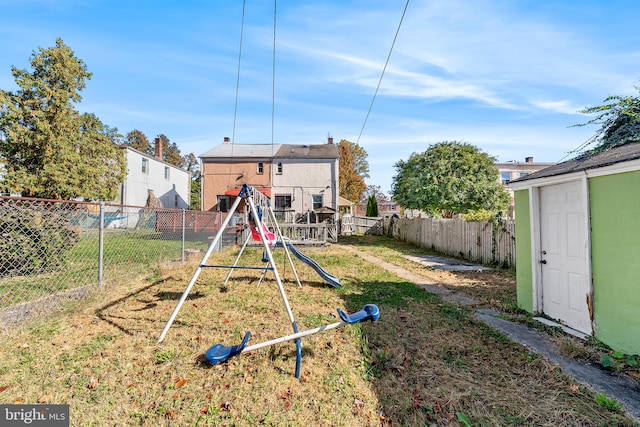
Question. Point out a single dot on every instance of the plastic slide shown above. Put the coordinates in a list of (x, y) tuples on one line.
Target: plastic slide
[(269, 236), (327, 277)]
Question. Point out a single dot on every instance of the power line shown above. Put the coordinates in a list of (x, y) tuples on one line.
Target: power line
[(580, 147), (273, 79), (383, 70), (235, 108)]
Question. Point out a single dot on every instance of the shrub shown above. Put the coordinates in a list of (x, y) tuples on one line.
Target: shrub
[(33, 241)]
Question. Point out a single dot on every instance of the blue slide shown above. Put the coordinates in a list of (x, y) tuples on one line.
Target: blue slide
[(327, 277)]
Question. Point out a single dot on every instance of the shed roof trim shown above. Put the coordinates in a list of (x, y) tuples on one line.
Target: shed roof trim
[(622, 153)]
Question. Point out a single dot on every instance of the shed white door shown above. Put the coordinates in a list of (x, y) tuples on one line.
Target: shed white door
[(564, 253)]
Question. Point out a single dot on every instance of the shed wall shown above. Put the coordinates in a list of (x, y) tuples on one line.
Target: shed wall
[(524, 275), (615, 249)]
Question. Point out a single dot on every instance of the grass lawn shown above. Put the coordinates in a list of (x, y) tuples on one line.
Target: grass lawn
[(425, 362)]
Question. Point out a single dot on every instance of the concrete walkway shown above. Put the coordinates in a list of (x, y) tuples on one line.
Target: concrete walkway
[(622, 389)]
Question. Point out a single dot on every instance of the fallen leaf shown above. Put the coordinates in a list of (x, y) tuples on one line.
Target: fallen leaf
[(226, 406), (45, 398), (204, 409), (4, 387), (248, 379), (287, 404), (93, 383), (171, 414), (181, 383), (286, 395)]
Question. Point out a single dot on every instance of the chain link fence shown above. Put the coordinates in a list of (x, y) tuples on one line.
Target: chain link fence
[(52, 251)]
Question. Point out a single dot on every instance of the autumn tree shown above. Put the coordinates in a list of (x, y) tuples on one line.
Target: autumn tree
[(48, 148), (138, 140), (450, 178), (354, 168)]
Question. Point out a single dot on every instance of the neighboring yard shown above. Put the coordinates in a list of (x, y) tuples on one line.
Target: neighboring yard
[(425, 362)]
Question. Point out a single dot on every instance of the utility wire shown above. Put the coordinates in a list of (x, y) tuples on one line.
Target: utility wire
[(383, 70), (273, 78), (235, 108), (580, 147)]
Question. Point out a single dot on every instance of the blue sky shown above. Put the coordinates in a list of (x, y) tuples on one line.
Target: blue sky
[(508, 76)]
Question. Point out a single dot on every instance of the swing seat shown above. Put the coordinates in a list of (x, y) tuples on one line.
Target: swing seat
[(220, 353), (368, 312)]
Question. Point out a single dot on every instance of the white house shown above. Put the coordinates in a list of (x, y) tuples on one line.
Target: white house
[(145, 173)]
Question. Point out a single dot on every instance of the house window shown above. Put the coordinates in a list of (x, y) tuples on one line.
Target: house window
[(283, 202), (145, 166), (505, 177), (175, 202), (223, 203), (166, 172), (260, 168), (317, 201), (279, 168), (522, 174)]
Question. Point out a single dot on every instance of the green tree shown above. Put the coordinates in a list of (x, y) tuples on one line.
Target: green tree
[(196, 188), (354, 168), (372, 206), (449, 178), (192, 166), (619, 121), (49, 150)]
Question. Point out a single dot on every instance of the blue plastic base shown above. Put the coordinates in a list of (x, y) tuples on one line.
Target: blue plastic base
[(368, 312), (220, 353)]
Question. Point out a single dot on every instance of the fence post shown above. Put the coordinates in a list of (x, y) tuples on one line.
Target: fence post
[(101, 244), (183, 232)]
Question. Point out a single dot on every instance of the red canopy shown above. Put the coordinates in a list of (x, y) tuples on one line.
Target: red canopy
[(236, 191)]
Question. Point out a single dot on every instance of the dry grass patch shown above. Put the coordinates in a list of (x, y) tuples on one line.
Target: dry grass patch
[(425, 362)]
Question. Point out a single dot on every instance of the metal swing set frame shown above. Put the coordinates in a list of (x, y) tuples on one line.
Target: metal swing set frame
[(219, 353)]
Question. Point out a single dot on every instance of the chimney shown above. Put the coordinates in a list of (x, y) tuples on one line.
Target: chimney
[(227, 140), (329, 140), (528, 159), (158, 148)]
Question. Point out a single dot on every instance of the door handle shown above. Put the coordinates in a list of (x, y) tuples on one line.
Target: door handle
[(543, 261)]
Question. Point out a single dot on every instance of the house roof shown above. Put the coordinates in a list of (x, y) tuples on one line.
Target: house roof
[(622, 153), (275, 151), (242, 150), (344, 202), (313, 151)]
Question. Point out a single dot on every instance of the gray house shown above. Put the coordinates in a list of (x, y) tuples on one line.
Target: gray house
[(578, 245)]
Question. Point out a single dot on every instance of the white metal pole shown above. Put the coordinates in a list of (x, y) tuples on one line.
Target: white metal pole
[(284, 245), (258, 223), (294, 336), (212, 246)]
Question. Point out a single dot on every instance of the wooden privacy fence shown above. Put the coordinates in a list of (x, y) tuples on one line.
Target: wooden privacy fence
[(480, 242)]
